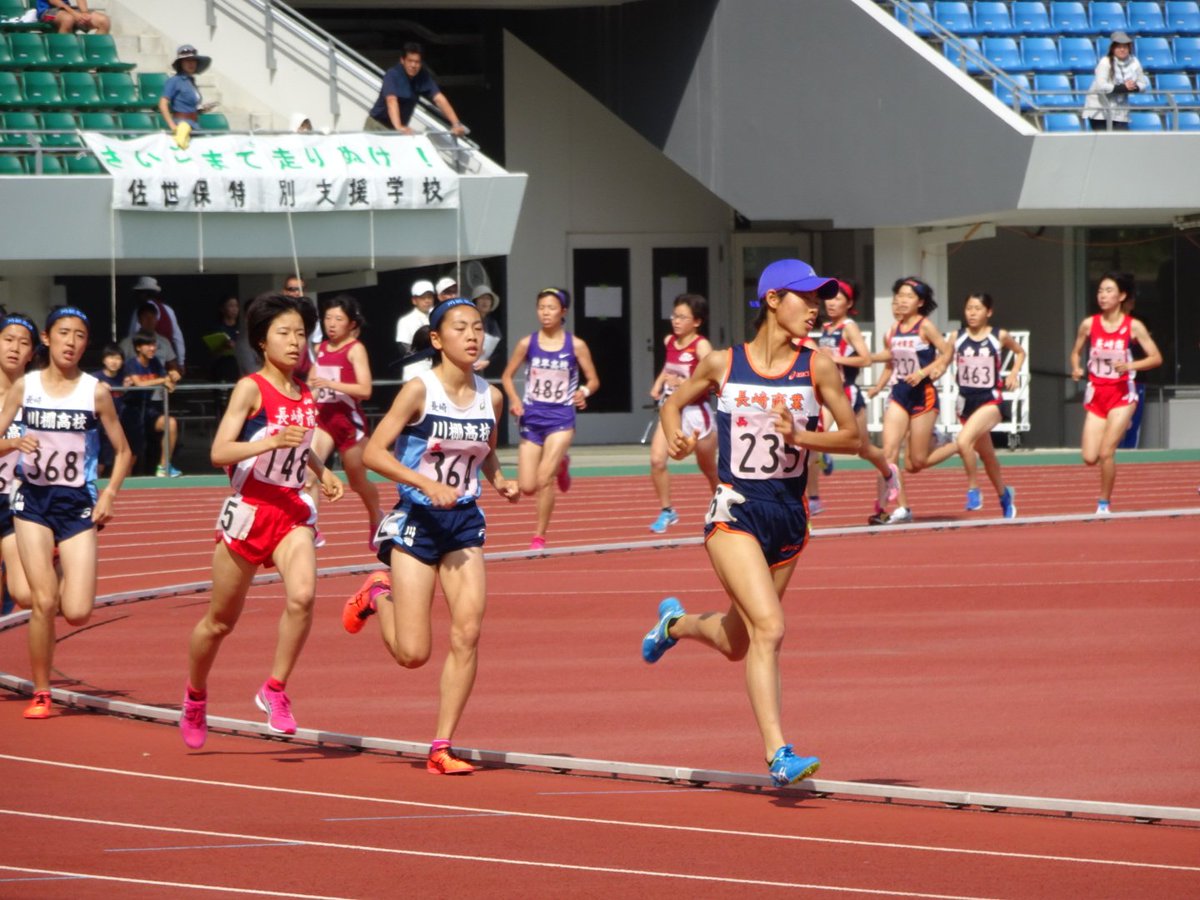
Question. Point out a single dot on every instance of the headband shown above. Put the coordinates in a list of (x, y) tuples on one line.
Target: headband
[(439, 311), (20, 320), (563, 299), (845, 288), (64, 312)]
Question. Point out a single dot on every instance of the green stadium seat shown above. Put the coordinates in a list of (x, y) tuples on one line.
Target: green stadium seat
[(42, 90), (65, 125), (97, 121), (150, 86), (11, 94), (12, 9), (18, 122), (118, 91), (138, 121), (80, 91), (28, 51), (65, 52), (85, 164), (10, 164), (100, 50), (6, 58), (213, 122), (51, 165)]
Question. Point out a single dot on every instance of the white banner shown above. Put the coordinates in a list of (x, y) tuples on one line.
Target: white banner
[(276, 173)]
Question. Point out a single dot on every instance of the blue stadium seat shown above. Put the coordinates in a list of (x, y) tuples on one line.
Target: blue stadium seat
[(916, 23), (1018, 85), (1107, 16), (1077, 54), (1181, 87), (1145, 98), (1040, 54), (1155, 54), (1146, 18), (1069, 17), (992, 18), (1055, 82), (1141, 120), (953, 53), (1030, 17), (1187, 53), (1003, 53), (1189, 120), (1183, 16), (954, 16), (1061, 121)]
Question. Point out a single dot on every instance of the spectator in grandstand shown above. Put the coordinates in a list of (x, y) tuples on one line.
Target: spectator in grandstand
[(402, 85), (70, 17), (146, 371), (487, 302), (181, 104), (146, 318), (1118, 74), (146, 291), (112, 373), (447, 288), (300, 123), (222, 342), (418, 316)]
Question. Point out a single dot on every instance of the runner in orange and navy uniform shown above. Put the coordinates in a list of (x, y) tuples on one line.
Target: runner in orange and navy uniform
[(757, 523), (1111, 397), (263, 441)]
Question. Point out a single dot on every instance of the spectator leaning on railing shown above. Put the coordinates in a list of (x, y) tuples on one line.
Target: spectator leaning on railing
[(403, 83), (1118, 74)]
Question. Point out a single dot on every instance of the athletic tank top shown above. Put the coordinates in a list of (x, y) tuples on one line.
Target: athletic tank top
[(551, 376), (977, 364), (751, 455), (9, 460), (1106, 348), (448, 442), (910, 351), (66, 428), (275, 476), (681, 364), (334, 365), (834, 339)]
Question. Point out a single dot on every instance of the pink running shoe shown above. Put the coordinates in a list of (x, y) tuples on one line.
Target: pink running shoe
[(538, 543), (193, 724), (278, 708), (564, 473)]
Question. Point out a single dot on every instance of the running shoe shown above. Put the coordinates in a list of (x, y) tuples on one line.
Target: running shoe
[(900, 515), (815, 506), (444, 762), (879, 517), (167, 471), (40, 707), (564, 473), (361, 606), (657, 640), (538, 543), (193, 723), (788, 768), (892, 484), (665, 518), (974, 499), (278, 708), (1102, 508), (1008, 503), (826, 464), (318, 538)]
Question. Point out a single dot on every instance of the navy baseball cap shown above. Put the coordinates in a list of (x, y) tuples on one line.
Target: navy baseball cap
[(795, 275)]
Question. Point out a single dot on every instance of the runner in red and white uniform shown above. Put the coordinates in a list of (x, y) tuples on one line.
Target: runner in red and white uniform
[(264, 442), (1111, 397), (685, 348)]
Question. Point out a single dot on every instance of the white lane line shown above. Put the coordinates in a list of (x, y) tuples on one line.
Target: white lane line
[(254, 845), (463, 857), (587, 820), (182, 885)]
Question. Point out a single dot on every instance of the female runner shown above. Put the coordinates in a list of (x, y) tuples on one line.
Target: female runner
[(434, 442), (1111, 397), (18, 335), (919, 355), (769, 404), (264, 442), (553, 360), (978, 350), (56, 504), (842, 341), (685, 348), (341, 380)]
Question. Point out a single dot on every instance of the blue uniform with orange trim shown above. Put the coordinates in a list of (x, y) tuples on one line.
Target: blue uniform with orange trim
[(911, 352), (977, 365), (835, 339), (763, 478)]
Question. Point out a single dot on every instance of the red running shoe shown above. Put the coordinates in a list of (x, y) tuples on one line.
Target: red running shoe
[(444, 762), (361, 606), (40, 707)]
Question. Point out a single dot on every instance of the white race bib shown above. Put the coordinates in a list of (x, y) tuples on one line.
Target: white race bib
[(58, 459), (548, 385), (236, 518), (977, 371), (758, 451)]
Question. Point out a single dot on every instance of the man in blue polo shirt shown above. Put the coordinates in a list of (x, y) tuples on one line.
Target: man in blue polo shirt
[(402, 85)]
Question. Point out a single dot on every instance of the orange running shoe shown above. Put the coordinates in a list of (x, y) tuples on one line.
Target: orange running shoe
[(444, 762), (361, 606), (40, 707)]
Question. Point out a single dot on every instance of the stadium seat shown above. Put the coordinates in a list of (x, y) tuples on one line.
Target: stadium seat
[(1077, 54), (955, 53), (1187, 120), (101, 51), (1141, 120), (924, 12), (138, 121), (11, 9), (28, 51), (955, 17), (1183, 16), (97, 121), (992, 18), (213, 122), (150, 86), (1002, 52), (1107, 17), (1155, 54), (10, 164), (14, 124), (11, 94), (1060, 84), (65, 52), (1181, 88), (51, 165), (118, 91), (1017, 85), (1146, 18), (1187, 53), (1069, 17), (80, 91), (1031, 18), (1061, 121), (84, 164), (6, 58), (1145, 98), (64, 125), (1040, 54), (42, 89)]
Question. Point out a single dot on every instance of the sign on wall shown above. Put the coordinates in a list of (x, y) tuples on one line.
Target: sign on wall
[(276, 173)]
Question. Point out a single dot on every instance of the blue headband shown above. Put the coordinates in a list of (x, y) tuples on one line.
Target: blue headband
[(439, 311), (20, 320), (563, 299), (64, 312)]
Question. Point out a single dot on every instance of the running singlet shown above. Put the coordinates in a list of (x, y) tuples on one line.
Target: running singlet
[(835, 339), (334, 365), (275, 476), (9, 460), (1107, 348), (752, 456), (447, 443), (680, 364), (66, 429), (551, 376), (978, 365), (910, 351)]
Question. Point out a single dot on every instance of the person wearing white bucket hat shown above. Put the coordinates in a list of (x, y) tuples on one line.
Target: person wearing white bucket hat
[(487, 301), (181, 103)]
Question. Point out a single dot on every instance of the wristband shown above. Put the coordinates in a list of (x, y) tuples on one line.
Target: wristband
[(586, 392)]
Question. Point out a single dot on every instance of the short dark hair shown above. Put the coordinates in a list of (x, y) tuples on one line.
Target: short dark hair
[(1126, 284), (411, 47), (141, 339), (112, 350), (982, 296), (148, 306), (266, 308), (923, 291), (348, 304), (696, 302)]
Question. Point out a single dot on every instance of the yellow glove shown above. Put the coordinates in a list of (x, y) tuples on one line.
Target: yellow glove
[(183, 135)]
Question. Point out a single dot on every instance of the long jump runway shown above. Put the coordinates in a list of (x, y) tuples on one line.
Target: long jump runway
[(1042, 660)]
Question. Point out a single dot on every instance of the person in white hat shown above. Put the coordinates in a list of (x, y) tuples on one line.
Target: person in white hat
[(181, 104), (487, 301), (147, 290), (1118, 74), (69, 17), (407, 324), (447, 288)]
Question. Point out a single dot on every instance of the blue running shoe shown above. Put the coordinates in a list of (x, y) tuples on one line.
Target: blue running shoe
[(1008, 503), (657, 641), (826, 464), (1102, 508), (788, 768), (665, 518), (974, 500)]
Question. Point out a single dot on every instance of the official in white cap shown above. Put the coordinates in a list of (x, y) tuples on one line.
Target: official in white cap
[(418, 316)]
